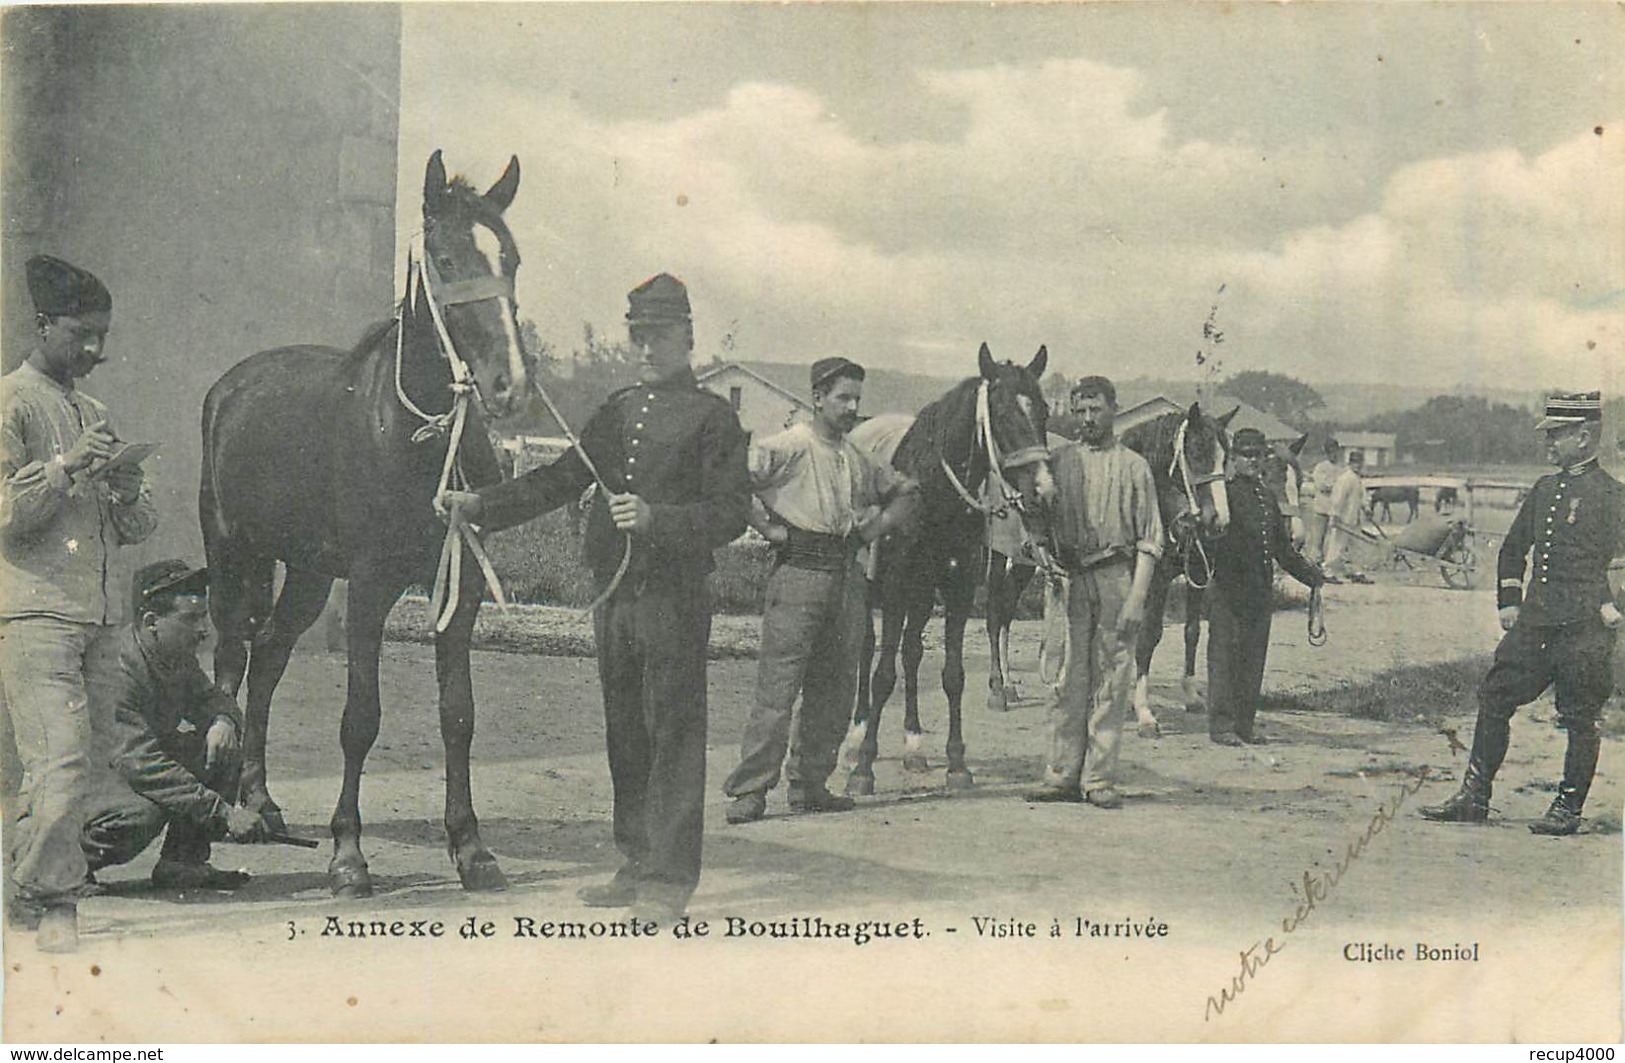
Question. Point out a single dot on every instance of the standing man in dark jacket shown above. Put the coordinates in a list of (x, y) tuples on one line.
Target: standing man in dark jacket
[(1560, 631), (674, 459), (175, 739), (1242, 594)]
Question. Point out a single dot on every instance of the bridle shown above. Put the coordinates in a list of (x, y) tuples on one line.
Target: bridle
[(1189, 481), (422, 277), (1010, 497)]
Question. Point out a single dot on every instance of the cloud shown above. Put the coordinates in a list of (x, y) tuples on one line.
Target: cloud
[(1060, 210)]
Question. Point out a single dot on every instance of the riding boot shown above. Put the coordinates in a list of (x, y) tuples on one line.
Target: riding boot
[(1471, 803), (1579, 766)]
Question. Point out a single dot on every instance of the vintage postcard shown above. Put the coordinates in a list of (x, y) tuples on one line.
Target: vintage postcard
[(1245, 313)]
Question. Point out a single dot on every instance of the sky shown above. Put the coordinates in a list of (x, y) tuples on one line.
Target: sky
[(1427, 194)]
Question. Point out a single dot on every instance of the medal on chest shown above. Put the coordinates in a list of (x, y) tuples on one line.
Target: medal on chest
[(1574, 509)]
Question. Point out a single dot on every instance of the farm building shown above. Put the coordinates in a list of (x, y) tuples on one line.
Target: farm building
[(1137, 408)]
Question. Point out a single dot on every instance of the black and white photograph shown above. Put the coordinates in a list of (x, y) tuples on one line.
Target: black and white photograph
[(861, 522)]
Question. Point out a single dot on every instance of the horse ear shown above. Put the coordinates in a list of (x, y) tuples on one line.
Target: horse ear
[(984, 362), (1224, 422), (434, 182), (1194, 414), (501, 193), (1040, 360), (1297, 446)]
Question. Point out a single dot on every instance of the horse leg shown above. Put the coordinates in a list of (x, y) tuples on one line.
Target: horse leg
[(857, 729), (303, 596), (1193, 637), (476, 867), (371, 596), (957, 595), (998, 575), (1145, 646), (917, 614), (860, 781)]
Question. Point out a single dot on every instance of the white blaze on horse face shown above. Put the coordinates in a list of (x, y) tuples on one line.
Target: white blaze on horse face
[(489, 245), (1221, 500), (1044, 482)]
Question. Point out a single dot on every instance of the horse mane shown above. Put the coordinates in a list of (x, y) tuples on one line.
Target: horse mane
[(927, 440), (1154, 441)]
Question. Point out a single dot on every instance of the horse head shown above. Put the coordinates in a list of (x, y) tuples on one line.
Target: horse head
[(1018, 419), (467, 266), (1198, 470)]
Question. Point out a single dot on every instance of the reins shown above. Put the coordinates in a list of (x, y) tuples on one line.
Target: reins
[(421, 275), (1180, 464)]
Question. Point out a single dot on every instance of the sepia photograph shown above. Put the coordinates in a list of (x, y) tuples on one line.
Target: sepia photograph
[(860, 522)]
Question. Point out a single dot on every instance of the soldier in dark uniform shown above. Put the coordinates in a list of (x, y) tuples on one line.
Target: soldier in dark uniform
[(1241, 595), (674, 458), (1559, 632)]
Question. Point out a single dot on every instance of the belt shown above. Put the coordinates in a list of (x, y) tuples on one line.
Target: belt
[(818, 551), (1100, 559)]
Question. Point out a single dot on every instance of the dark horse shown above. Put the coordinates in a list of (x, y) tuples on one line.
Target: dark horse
[(329, 461), (1186, 452), (945, 452)]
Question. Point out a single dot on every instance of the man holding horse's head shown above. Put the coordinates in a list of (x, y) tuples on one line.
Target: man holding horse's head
[(821, 501), (1241, 594), (670, 461), (1561, 625), (175, 739), (61, 516), (1108, 536)]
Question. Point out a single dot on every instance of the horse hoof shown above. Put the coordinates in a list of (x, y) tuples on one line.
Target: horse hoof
[(961, 779), (916, 762), (860, 785), (997, 702), (350, 883), (483, 875), (269, 812), (1150, 729)]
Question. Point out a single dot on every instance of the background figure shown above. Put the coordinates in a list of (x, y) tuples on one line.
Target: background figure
[(1348, 513), (1241, 596), (175, 742), (821, 500), (674, 459), (1561, 630), (60, 516), (1319, 510)]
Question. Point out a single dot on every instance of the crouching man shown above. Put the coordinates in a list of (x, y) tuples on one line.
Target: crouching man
[(175, 738)]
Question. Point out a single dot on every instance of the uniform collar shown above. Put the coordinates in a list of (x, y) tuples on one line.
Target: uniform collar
[(1580, 468), (683, 380), (28, 370)]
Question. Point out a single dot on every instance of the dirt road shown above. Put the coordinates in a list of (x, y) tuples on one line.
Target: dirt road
[(1217, 845)]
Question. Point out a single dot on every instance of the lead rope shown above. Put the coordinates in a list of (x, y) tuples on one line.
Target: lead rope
[(1183, 467), (446, 594), (575, 443), (1317, 619)]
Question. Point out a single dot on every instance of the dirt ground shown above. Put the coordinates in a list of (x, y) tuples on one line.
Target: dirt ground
[(1213, 842)]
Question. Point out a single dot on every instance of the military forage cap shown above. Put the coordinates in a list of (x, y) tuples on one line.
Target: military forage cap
[(1249, 443), (57, 288), (170, 578), (1577, 408), (829, 368), (661, 299)]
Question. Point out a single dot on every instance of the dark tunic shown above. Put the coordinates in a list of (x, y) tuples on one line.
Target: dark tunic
[(161, 713), (681, 449), (1242, 603), (1571, 524)]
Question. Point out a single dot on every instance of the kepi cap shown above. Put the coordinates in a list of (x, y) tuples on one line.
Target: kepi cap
[(171, 577), (57, 287), (662, 299), (1566, 409), (828, 368), (1249, 443)]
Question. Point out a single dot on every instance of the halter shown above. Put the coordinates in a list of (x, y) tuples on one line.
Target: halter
[(995, 463), (422, 276), (1181, 464)]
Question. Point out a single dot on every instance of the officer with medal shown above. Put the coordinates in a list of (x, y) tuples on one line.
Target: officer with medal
[(1560, 623), (674, 458)]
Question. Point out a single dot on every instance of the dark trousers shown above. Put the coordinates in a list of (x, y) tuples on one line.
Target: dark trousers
[(652, 639), (1238, 640), (1576, 659), (121, 823)]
